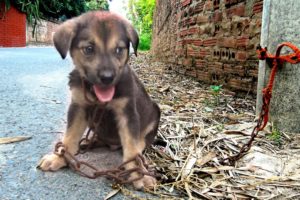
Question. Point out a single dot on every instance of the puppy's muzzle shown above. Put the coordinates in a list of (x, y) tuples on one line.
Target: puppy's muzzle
[(106, 76)]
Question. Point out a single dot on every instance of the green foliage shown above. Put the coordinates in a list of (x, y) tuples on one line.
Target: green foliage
[(61, 9), (210, 102), (145, 41), (55, 9), (31, 8), (216, 90), (6, 5), (97, 5), (276, 135), (141, 14)]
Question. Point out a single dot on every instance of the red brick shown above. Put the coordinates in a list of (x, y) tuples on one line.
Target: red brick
[(191, 72), (229, 42), (216, 68), (241, 56), (202, 19), (197, 42), (253, 73), (192, 30), (187, 41), (196, 52), (217, 16), (243, 41), (210, 42), (258, 7), (183, 33), (187, 62), (233, 69), (185, 2), (200, 64), (192, 21), (232, 2), (241, 83), (203, 53), (179, 43), (227, 2), (192, 52), (204, 76), (235, 83), (238, 10), (199, 7)]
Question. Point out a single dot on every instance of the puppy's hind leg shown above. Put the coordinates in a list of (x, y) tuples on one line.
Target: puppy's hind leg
[(76, 126)]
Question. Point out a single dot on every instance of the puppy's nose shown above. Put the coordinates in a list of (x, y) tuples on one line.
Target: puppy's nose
[(106, 77)]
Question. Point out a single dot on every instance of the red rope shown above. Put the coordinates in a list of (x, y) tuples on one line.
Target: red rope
[(262, 121), (277, 60)]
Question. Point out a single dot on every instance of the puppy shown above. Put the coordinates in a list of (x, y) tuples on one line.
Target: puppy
[(99, 43)]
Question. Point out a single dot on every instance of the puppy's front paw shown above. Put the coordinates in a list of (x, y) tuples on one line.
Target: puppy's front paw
[(51, 162), (145, 182)]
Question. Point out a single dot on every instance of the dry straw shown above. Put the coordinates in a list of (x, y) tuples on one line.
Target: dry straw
[(197, 132)]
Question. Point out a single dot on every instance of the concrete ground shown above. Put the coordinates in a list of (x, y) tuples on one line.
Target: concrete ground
[(33, 102)]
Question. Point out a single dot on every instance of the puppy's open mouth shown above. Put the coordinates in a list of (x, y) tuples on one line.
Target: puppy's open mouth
[(104, 94)]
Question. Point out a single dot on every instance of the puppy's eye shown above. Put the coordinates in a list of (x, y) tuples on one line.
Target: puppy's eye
[(89, 50), (119, 50)]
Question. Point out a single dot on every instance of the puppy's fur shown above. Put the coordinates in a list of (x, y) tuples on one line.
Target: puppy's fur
[(99, 43)]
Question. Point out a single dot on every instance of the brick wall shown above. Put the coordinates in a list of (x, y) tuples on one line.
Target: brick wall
[(43, 34), (12, 28), (211, 40)]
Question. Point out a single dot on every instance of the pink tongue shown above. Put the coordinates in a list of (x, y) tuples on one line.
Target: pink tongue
[(104, 95)]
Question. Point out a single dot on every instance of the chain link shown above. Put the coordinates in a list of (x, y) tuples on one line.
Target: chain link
[(119, 174)]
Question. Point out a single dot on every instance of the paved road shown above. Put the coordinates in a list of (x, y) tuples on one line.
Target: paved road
[(33, 102)]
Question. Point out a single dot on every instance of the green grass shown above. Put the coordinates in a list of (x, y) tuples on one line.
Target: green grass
[(216, 91), (145, 41), (275, 136)]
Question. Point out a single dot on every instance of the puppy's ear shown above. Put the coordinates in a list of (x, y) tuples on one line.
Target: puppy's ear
[(133, 37), (63, 37)]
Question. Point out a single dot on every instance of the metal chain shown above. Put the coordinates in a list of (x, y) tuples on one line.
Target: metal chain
[(262, 121), (119, 174), (246, 147)]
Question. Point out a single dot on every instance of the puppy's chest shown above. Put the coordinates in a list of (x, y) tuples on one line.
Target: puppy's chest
[(103, 123)]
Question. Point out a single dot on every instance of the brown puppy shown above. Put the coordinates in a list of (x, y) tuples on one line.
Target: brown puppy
[(99, 46)]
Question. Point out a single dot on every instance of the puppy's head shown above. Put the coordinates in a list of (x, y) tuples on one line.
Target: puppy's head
[(99, 46)]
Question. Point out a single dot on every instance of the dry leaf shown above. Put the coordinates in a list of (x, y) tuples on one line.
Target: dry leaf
[(164, 89), (7, 140), (112, 193), (208, 157), (189, 166)]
